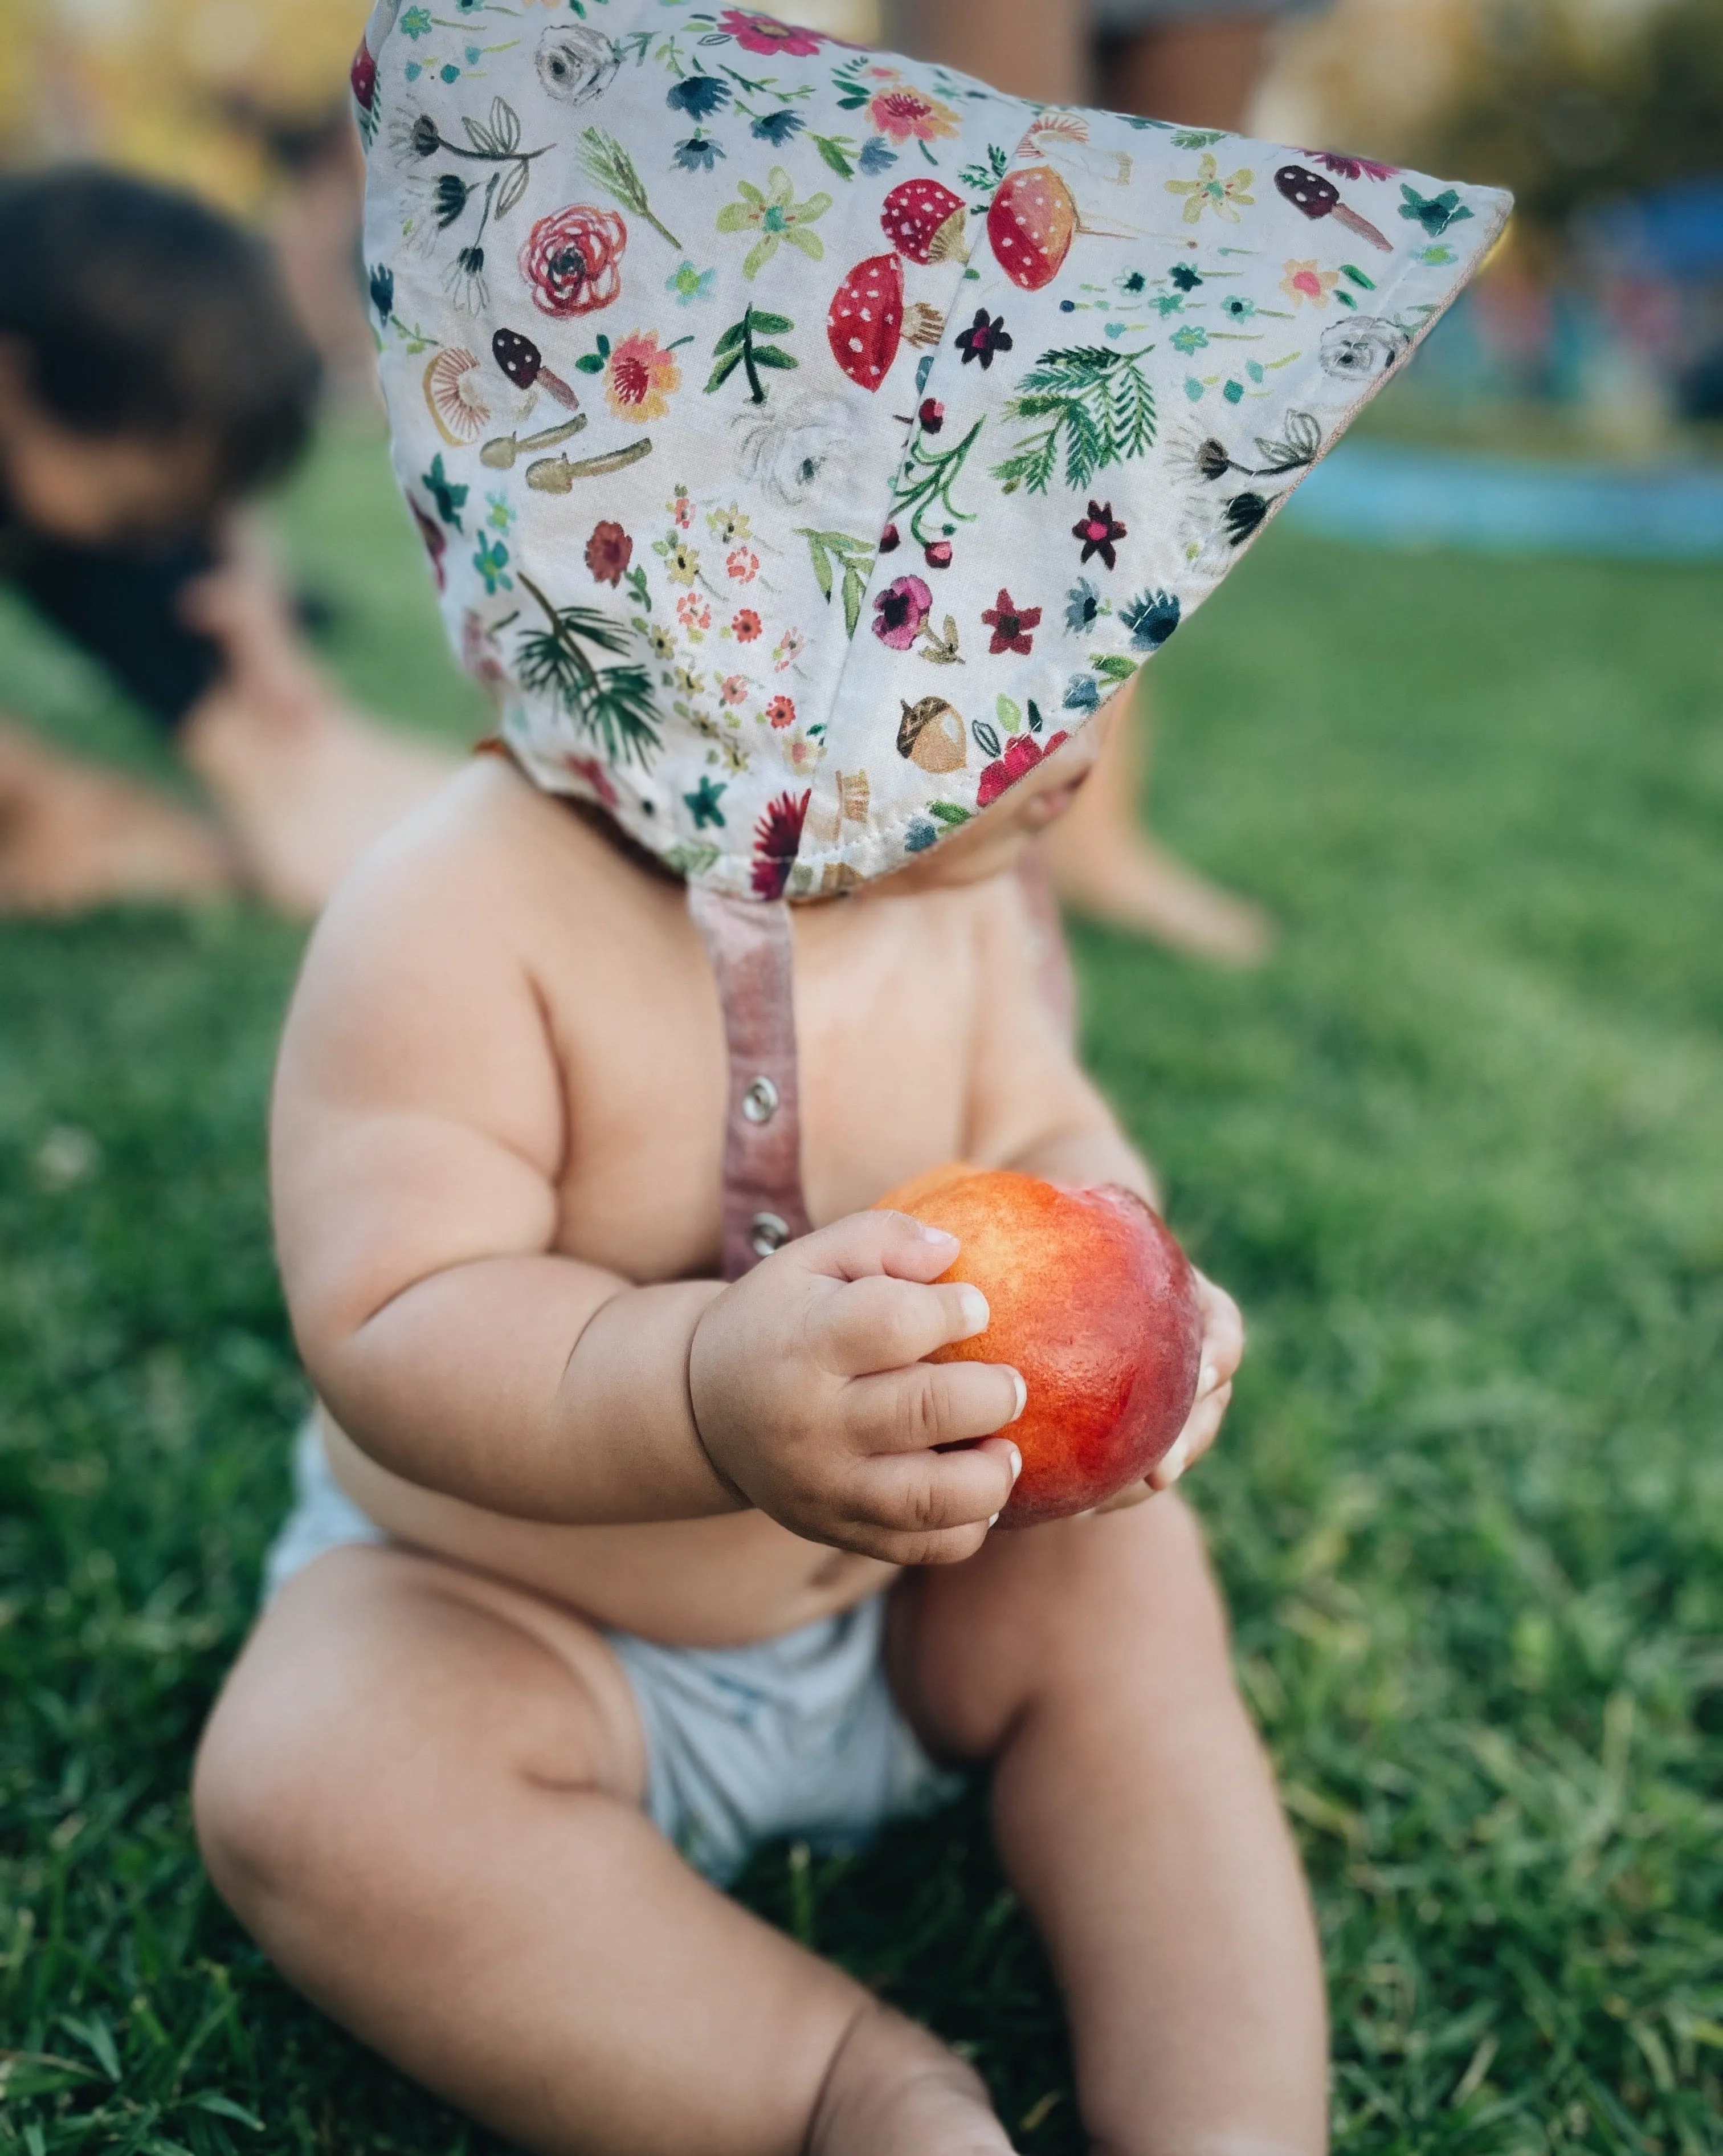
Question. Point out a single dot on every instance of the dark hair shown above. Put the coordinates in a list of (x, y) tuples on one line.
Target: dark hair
[(142, 312)]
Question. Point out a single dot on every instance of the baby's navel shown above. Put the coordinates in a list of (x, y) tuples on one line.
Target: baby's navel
[(831, 1571)]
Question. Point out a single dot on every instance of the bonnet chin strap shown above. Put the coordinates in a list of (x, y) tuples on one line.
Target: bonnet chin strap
[(749, 945)]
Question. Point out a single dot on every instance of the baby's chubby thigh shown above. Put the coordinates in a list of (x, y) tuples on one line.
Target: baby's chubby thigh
[(367, 1678), (421, 1791), (366, 1758)]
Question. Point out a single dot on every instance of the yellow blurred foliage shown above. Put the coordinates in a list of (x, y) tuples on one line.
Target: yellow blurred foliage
[(183, 89), (1371, 75), (1364, 75), (175, 88)]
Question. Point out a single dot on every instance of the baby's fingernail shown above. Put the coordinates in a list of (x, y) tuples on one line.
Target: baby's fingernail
[(1174, 1465), (1023, 1401), (972, 1309), (1205, 1381), (994, 1521), (1017, 1462), (934, 1234)]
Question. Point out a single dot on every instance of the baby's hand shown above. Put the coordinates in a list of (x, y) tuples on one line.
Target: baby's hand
[(813, 1401), (1223, 1351)]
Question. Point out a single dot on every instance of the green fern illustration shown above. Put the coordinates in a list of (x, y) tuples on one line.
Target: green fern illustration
[(613, 703), (1100, 409)]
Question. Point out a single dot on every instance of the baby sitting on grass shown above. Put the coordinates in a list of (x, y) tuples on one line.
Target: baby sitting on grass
[(633, 1527)]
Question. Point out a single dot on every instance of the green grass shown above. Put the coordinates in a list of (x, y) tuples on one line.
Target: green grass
[(1458, 1152)]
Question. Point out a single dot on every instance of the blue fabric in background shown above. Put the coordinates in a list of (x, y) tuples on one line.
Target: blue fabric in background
[(1678, 231), (1385, 494)]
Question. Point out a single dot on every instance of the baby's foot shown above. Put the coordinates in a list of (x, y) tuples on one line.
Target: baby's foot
[(303, 791), (1129, 882), (72, 836), (894, 2090)]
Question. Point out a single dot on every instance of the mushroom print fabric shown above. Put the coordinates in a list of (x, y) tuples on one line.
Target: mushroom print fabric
[(806, 440)]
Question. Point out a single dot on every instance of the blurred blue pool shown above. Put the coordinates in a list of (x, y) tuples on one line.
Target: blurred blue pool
[(1382, 494)]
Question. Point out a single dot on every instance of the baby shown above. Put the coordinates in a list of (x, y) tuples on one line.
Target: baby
[(635, 1528)]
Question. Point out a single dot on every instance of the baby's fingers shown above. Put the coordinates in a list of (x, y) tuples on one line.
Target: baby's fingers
[(862, 1244), (920, 1500), (931, 1404), (1194, 1439), (885, 1324), (1223, 1333)]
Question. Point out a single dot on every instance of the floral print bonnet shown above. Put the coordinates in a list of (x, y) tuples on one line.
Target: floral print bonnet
[(807, 441)]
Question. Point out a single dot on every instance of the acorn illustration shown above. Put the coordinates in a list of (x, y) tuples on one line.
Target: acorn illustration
[(925, 221), (933, 735)]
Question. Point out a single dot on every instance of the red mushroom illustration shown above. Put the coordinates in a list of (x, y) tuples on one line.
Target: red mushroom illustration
[(868, 322), (927, 221), (362, 78), (1032, 224), (521, 359), (456, 396)]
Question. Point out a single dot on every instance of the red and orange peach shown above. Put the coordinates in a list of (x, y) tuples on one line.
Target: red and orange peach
[(1094, 1302)]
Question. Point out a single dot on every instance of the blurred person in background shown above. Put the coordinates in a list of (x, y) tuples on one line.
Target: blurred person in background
[(1201, 62), (243, 103), (153, 376)]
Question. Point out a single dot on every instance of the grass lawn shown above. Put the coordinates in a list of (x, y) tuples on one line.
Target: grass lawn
[(1460, 1151)]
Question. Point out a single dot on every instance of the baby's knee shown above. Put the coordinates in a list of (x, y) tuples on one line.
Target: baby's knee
[(1140, 1580), (1164, 1562), (1120, 1606), (298, 1789), (264, 1788)]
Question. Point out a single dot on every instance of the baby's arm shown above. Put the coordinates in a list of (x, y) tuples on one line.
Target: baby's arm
[(417, 1135), (1036, 1110), (417, 1144)]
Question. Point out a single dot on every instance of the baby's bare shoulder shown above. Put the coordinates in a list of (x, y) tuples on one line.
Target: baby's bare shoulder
[(424, 976), (470, 880)]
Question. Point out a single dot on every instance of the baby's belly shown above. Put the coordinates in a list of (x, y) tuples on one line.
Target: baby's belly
[(688, 1582)]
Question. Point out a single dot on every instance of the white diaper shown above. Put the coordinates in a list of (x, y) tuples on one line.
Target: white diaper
[(796, 1735)]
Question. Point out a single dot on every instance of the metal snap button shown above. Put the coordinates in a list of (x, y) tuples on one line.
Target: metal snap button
[(769, 1232), (759, 1103)]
